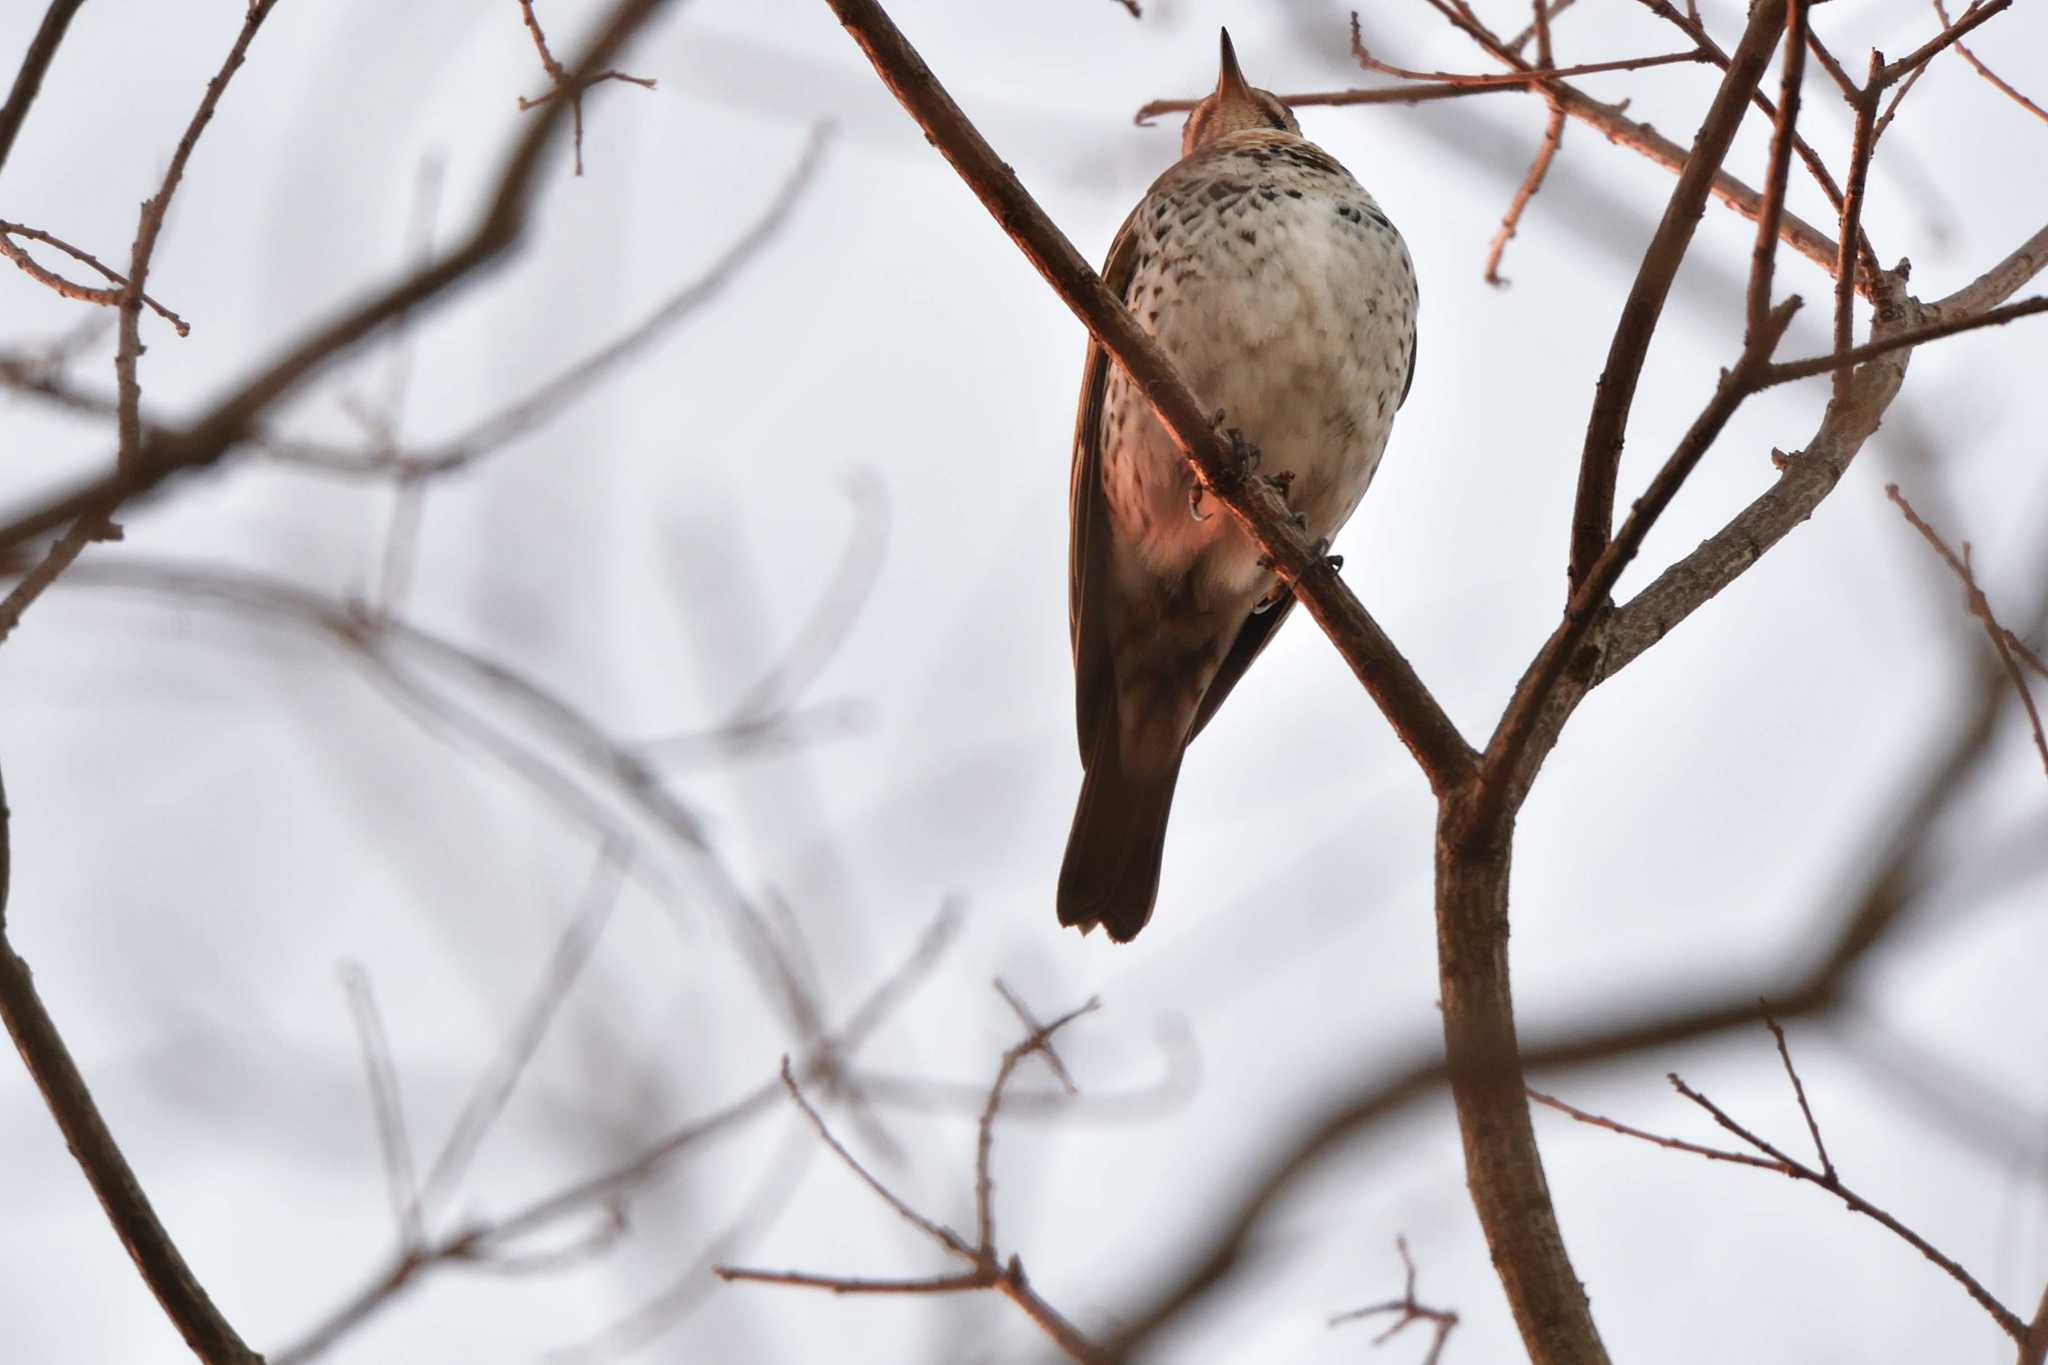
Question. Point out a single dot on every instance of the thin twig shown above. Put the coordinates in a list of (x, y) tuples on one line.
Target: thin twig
[(1979, 606), (1535, 76), (1913, 61), (1988, 74), (564, 84), (2008, 1321), (938, 1232), (990, 1270), (1827, 1164), (1905, 338), (1862, 146), (1601, 457), (1783, 132), (1408, 1307), (69, 289)]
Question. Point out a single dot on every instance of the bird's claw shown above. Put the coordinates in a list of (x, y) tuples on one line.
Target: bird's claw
[(1195, 503)]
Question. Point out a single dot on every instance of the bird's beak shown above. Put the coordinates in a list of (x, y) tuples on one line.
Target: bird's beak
[(1231, 86)]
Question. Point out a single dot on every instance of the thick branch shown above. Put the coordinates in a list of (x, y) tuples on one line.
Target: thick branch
[(1421, 723)]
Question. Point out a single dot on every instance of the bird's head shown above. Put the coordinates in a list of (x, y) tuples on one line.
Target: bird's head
[(1233, 107)]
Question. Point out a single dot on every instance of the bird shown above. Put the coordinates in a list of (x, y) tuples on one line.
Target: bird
[(1287, 299)]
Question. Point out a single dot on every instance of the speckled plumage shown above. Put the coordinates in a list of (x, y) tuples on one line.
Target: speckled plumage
[(1288, 301)]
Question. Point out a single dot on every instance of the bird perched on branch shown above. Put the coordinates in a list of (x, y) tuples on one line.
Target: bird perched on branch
[(1287, 300)]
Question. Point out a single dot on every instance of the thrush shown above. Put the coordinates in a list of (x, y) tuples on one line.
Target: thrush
[(1287, 300)]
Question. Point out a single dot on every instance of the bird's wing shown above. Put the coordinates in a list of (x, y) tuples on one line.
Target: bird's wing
[(1251, 638), (1088, 525)]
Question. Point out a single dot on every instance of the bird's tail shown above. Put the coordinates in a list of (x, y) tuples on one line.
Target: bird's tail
[(1111, 873)]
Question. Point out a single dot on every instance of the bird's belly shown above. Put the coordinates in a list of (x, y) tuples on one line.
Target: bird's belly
[(1299, 325)]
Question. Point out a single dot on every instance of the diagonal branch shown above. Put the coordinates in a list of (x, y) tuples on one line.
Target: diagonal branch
[(1601, 457), (1997, 82), (1416, 716), (184, 1300), (28, 81)]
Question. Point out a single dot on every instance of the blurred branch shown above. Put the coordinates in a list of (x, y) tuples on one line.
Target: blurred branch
[(1218, 462), (544, 401), (1888, 874), (99, 1156), (486, 1245), (501, 226), (494, 1086), (28, 80), (1774, 1159), (1408, 1308), (990, 1269), (98, 525), (565, 85), (401, 1174)]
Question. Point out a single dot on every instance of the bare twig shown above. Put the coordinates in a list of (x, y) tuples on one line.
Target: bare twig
[(1773, 1159), (1979, 606), (1913, 61), (564, 84), (1408, 1308), (1539, 75), (1601, 456), (1987, 73), (77, 292), (1862, 146), (1820, 1148), (990, 1269), (1546, 152), (1784, 131), (1947, 323)]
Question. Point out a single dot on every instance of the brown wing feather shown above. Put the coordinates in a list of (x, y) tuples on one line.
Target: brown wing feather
[(1088, 525), (1252, 637)]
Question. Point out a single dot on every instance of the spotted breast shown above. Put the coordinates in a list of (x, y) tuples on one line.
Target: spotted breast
[(1288, 301)]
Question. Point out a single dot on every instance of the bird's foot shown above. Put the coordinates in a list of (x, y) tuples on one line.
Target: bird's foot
[(1283, 482), (1195, 503), (1324, 558)]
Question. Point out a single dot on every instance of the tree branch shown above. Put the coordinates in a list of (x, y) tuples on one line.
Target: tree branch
[(1601, 457), (1417, 718), (499, 228), (156, 1256), (28, 81)]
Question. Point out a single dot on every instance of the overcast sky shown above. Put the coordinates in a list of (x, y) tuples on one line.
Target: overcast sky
[(213, 810)]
